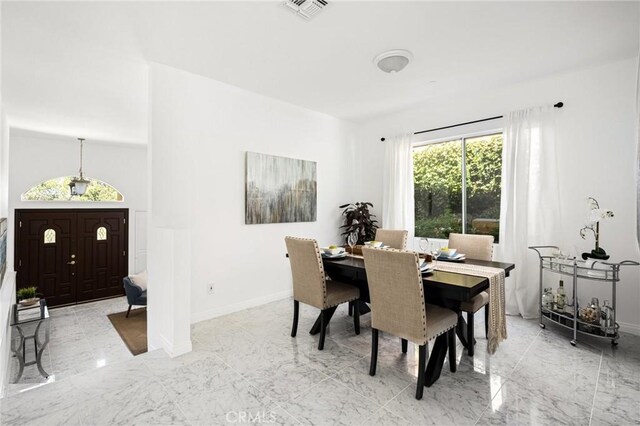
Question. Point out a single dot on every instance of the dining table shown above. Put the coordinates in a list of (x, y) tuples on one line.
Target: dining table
[(447, 289)]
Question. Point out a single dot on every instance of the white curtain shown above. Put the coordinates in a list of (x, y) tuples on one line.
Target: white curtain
[(530, 203), (397, 193), (638, 152)]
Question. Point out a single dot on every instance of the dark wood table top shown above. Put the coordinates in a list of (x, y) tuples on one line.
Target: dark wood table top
[(457, 286)]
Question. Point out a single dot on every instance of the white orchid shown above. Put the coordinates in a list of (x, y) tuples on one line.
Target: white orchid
[(595, 215)]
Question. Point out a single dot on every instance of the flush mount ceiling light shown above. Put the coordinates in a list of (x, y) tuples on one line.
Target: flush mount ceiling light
[(393, 61)]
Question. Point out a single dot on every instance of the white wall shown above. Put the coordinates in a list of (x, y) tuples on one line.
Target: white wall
[(7, 287), (36, 157), (596, 153), (201, 130)]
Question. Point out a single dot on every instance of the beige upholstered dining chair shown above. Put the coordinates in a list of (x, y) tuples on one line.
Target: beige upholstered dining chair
[(479, 247), (398, 307), (394, 238), (310, 285)]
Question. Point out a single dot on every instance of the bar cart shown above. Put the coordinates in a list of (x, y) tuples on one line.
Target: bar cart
[(598, 270)]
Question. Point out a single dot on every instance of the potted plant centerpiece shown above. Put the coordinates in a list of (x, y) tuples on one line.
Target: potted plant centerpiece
[(358, 219), (28, 296)]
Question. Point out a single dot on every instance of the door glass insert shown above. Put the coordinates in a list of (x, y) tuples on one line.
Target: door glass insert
[(101, 233), (50, 236)]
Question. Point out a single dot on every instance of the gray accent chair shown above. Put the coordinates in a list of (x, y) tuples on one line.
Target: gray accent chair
[(135, 295)]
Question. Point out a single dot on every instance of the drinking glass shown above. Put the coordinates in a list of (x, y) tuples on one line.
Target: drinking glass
[(424, 245), (434, 251), (352, 240)]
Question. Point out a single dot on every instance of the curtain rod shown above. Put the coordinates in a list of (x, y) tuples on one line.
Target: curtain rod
[(558, 105)]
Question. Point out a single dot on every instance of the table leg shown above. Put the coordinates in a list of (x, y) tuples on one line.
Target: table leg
[(436, 360), (461, 331), (364, 308), (42, 348), (316, 326), (20, 354)]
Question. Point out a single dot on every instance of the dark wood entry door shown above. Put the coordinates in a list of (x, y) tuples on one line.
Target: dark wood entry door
[(72, 255)]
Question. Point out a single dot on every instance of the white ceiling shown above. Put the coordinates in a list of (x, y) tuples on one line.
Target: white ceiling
[(81, 68)]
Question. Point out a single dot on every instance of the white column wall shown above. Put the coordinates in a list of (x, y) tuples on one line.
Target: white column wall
[(8, 285), (169, 250)]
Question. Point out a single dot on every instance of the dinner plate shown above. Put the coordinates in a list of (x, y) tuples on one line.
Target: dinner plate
[(459, 257), (326, 250), (335, 256), (426, 267), (382, 246)]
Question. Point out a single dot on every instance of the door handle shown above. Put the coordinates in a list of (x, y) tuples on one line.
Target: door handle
[(73, 262)]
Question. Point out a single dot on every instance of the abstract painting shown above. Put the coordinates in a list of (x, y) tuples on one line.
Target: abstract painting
[(279, 189)]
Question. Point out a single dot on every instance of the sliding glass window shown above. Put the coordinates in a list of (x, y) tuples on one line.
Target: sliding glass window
[(457, 186)]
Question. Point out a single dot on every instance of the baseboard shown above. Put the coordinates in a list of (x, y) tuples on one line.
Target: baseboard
[(177, 349), (245, 304), (629, 328)]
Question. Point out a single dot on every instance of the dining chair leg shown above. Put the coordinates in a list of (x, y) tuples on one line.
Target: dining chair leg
[(323, 329), (422, 363), (374, 352), (404, 345), (486, 320), (470, 340), (350, 308), (451, 337), (128, 310), (296, 311), (356, 317)]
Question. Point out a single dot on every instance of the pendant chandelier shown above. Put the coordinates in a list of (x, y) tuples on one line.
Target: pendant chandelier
[(78, 185)]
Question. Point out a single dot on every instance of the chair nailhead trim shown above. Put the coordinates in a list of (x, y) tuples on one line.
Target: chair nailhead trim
[(321, 265)]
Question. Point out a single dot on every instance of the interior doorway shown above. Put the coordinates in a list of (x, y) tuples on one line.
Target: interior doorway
[(72, 255)]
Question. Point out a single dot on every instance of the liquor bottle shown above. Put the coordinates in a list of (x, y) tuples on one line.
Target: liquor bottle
[(607, 318), (561, 297), (547, 298)]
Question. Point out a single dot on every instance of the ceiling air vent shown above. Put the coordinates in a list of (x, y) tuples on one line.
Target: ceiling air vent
[(306, 9)]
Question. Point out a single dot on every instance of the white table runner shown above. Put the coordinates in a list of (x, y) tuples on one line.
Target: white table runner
[(497, 319)]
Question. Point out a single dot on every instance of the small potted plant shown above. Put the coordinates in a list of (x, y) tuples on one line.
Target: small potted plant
[(28, 296), (358, 220)]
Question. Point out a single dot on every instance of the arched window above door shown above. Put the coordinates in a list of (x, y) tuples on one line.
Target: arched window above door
[(57, 189)]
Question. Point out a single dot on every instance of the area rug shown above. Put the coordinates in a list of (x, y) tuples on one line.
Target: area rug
[(132, 330)]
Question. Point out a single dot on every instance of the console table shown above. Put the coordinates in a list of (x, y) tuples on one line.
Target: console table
[(28, 323)]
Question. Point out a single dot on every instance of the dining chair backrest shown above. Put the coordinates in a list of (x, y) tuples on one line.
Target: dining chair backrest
[(479, 247), (396, 292), (307, 271), (394, 238)]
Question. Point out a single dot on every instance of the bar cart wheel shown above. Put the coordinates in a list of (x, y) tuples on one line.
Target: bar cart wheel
[(542, 325), (573, 343)]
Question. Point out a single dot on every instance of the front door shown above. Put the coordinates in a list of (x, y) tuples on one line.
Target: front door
[(72, 255)]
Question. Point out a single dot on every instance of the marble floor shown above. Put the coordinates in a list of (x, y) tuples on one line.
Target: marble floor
[(81, 339), (245, 368)]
